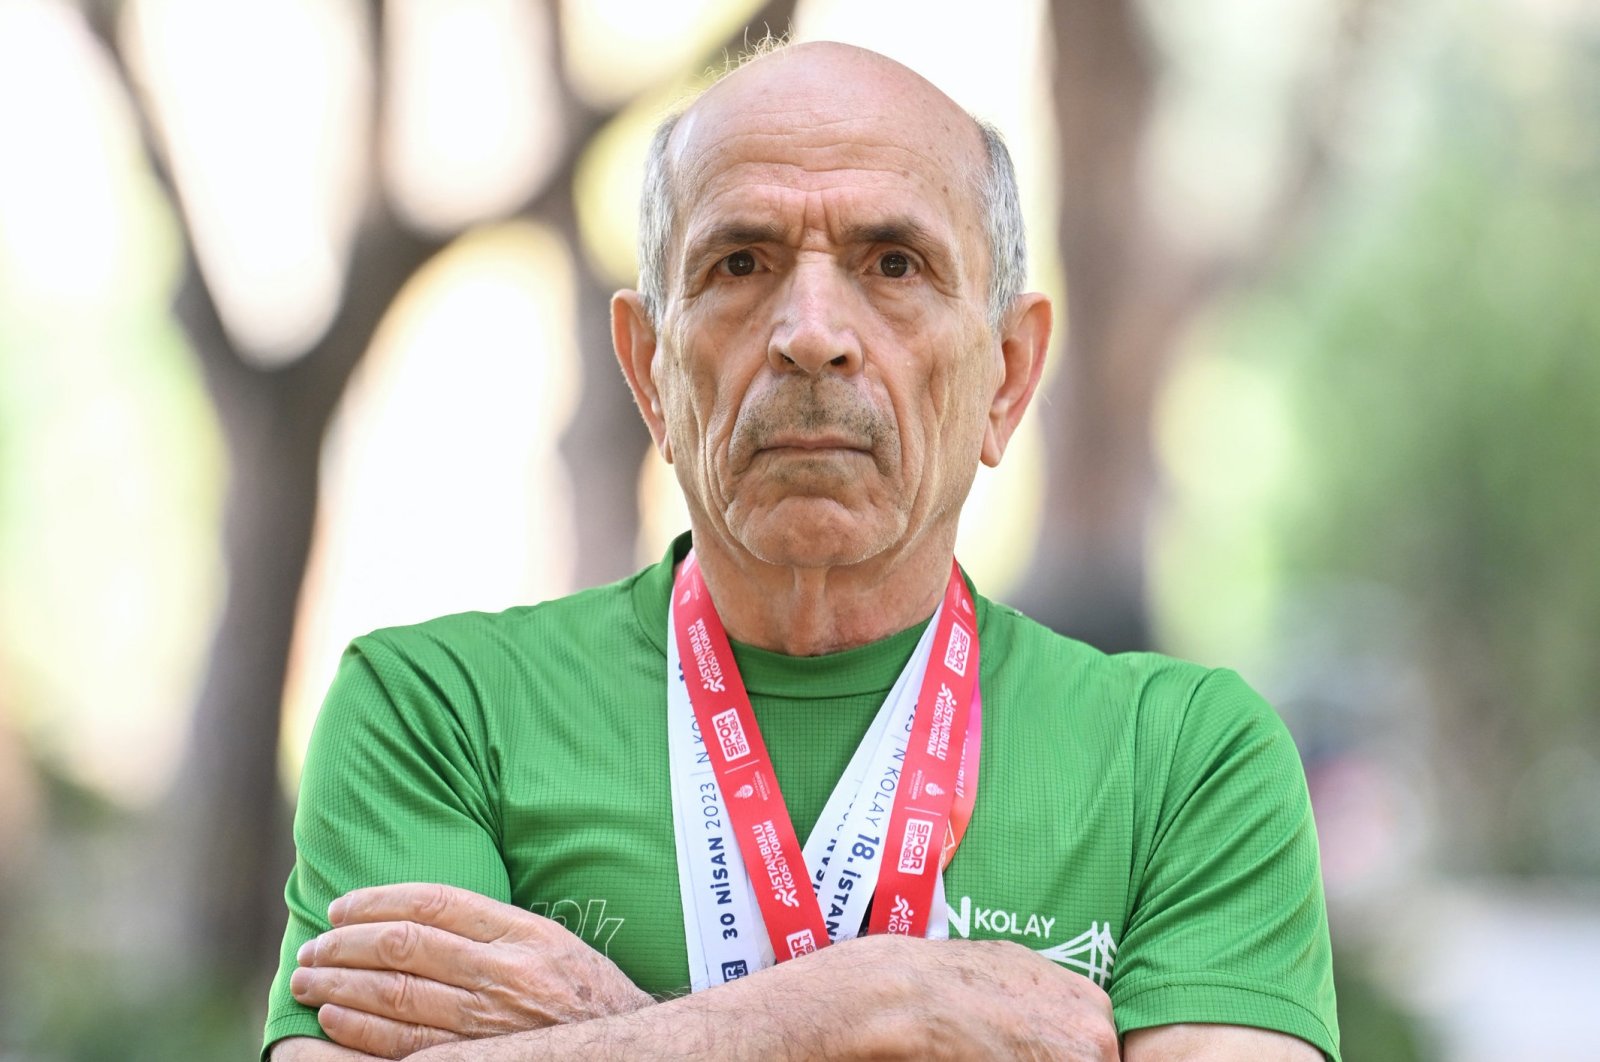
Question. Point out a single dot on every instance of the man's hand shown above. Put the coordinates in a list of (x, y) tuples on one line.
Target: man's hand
[(1000, 1000), (411, 966)]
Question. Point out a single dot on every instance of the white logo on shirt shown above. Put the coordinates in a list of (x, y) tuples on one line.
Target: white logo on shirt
[(1091, 952), (586, 921)]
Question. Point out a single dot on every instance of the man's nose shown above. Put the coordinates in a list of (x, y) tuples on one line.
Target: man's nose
[(814, 329)]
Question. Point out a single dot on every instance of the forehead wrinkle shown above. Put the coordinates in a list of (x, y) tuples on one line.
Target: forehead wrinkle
[(782, 213), (801, 151), (764, 187)]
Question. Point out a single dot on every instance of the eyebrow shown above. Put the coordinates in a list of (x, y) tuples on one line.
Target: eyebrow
[(732, 234), (902, 230)]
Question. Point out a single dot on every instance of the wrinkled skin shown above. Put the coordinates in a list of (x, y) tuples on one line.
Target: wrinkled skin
[(824, 378)]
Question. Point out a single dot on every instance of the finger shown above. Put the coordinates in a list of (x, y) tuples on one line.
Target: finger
[(460, 911), (409, 948), (379, 1036), (396, 996)]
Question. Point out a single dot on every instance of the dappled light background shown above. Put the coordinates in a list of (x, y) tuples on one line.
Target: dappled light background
[(302, 333)]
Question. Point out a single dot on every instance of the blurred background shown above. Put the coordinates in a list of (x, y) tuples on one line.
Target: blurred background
[(303, 332)]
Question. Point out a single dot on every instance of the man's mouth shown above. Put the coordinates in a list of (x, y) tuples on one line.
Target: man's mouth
[(814, 442)]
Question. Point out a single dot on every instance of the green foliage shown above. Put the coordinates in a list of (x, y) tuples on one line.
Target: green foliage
[(1446, 387), (89, 1013), (1371, 1027), (89, 970)]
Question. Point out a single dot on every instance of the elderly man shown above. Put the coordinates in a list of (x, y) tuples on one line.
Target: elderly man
[(531, 834)]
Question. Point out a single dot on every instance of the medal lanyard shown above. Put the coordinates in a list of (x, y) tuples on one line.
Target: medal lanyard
[(891, 825)]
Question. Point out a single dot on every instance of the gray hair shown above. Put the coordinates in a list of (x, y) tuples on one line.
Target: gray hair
[(997, 193), (1002, 222), (656, 218)]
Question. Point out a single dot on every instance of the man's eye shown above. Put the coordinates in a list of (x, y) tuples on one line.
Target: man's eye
[(894, 264), (740, 264)]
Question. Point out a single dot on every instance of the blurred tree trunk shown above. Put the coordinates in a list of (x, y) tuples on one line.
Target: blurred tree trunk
[(227, 801), (1132, 291), (229, 849), (1090, 568), (604, 446), (605, 441), (21, 804)]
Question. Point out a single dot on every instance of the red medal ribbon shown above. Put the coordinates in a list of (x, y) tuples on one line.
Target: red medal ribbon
[(933, 801), (739, 758), (932, 771)]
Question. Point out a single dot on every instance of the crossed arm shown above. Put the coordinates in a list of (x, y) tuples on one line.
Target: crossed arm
[(440, 974)]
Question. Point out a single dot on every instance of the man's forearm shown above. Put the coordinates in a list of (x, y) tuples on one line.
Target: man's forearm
[(881, 997), (708, 1027), (778, 1014), (877, 997), (311, 1049), (768, 1016)]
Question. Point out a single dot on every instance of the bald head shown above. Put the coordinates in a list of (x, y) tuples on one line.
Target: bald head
[(834, 90), (834, 93)]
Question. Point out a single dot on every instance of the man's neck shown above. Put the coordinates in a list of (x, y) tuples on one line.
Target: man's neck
[(812, 611)]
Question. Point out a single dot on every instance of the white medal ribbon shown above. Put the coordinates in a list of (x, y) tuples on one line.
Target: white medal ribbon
[(722, 923)]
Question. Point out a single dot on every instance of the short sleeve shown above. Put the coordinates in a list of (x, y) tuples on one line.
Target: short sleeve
[(394, 789), (1227, 923)]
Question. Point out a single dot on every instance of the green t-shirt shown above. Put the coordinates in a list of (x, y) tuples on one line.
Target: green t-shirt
[(1140, 820)]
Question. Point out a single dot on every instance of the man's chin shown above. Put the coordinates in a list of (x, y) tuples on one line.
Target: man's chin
[(813, 533)]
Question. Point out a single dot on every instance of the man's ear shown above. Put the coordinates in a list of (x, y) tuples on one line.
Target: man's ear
[(634, 338), (1024, 340)]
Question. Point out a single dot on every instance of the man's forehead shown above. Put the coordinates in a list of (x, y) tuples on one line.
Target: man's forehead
[(823, 95), (864, 139)]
